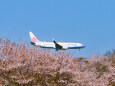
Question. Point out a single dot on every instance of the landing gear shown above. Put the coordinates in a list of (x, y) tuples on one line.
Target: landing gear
[(57, 49)]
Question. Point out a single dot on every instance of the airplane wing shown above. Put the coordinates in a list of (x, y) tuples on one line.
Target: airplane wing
[(58, 46)]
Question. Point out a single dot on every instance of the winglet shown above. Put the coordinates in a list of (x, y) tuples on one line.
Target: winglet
[(54, 41)]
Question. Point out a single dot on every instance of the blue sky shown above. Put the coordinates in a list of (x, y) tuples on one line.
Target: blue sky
[(90, 22)]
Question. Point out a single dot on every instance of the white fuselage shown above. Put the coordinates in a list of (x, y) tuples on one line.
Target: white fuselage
[(64, 45), (54, 45)]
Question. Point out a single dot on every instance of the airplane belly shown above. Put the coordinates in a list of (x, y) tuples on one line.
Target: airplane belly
[(47, 46), (65, 47)]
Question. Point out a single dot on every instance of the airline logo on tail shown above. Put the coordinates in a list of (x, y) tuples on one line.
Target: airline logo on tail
[(32, 37)]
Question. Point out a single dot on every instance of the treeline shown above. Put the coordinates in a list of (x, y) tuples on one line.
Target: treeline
[(22, 65)]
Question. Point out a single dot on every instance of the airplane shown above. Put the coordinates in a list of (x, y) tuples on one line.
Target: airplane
[(54, 44)]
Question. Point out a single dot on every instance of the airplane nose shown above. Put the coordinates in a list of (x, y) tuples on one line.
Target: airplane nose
[(84, 46)]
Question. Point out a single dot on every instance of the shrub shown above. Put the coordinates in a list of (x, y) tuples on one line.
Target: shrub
[(22, 65)]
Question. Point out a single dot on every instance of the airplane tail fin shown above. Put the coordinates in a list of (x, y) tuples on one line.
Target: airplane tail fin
[(33, 38)]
